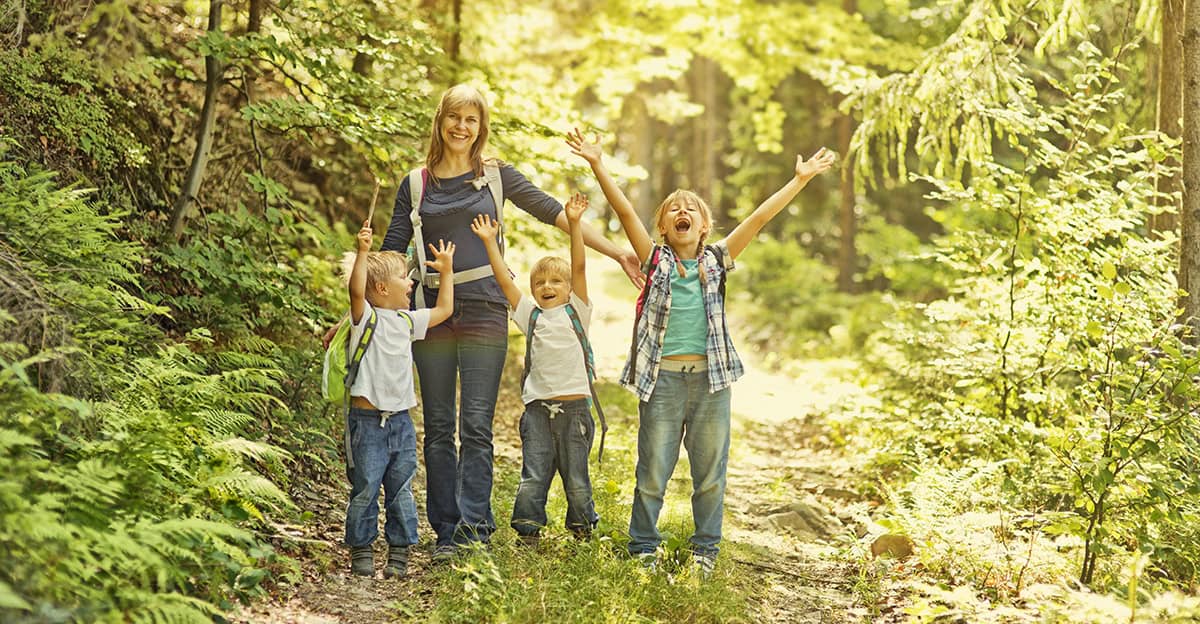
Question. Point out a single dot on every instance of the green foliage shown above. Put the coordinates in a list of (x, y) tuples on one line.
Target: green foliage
[(70, 282), (1055, 350), (797, 308), (126, 466), (54, 104)]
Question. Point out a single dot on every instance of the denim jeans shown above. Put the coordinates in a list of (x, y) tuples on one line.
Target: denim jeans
[(383, 456), (466, 350), (681, 408), (555, 442)]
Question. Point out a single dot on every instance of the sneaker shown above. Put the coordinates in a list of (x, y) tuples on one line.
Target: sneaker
[(397, 563), (362, 561), (704, 565), (444, 553), (648, 560)]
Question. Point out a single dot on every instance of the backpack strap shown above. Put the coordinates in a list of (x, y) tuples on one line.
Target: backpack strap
[(417, 178), (533, 317), (589, 362), (354, 356)]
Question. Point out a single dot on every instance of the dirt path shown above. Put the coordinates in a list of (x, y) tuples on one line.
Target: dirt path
[(784, 497)]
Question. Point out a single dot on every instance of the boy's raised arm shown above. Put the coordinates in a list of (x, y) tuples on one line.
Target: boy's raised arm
[(443, 263), (575, 208), (358, 274), (806, 170), (486, 228), (634, 230)]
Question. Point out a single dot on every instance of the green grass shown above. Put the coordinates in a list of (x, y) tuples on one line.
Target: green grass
[(565, 580)]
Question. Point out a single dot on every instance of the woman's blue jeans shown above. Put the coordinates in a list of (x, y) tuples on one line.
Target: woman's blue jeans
[(556, 437), (681, 409), (383, 456), (466, 350)]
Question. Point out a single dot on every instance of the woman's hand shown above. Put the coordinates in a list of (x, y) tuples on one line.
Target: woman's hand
[(632, 267), (588, 150), (818, 164)]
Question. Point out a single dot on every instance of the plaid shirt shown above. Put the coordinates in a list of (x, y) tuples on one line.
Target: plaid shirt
[(724, 367)]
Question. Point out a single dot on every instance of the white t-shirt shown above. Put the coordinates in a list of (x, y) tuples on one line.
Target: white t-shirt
[(385, 376), (557, 366)]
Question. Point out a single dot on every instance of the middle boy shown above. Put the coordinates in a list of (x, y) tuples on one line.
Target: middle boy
[(556, 428)]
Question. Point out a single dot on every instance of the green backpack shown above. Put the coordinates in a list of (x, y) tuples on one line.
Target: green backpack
[(341, 362)]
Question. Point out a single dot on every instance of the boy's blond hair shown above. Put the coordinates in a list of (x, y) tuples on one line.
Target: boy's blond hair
[(686, 197), (553, 265), (381, 266)]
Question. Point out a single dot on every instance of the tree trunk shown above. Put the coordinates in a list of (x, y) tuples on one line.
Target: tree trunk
[(212, 74), (847, 219), (644, 199), (253, 25), (1170, 99), (1189, 252)]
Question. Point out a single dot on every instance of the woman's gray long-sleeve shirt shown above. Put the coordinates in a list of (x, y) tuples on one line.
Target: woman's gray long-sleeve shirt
[(447, 210)]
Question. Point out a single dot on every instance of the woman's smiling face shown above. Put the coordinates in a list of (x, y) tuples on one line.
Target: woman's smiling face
[(460, 128)]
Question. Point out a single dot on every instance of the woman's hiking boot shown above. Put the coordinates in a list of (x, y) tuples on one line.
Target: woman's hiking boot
[(444, 553), (362, 561), (397, 562)]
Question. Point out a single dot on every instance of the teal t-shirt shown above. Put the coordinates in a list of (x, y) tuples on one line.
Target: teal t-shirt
[(687, 325)]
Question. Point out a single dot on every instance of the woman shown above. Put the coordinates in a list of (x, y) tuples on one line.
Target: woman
[(469, 349)]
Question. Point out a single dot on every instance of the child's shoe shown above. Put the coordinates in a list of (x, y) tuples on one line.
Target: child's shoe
[(649, 561), (397, 562), (704, 564), (362, 561)]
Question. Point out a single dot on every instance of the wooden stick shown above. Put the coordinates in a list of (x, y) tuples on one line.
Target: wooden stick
[(374, 196)]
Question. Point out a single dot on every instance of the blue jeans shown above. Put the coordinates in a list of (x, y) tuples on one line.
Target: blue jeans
[(467, 350), (681, 408), (383, 456), (555, 443)]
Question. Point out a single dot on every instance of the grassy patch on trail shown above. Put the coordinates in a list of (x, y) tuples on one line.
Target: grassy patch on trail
[(565, 580)]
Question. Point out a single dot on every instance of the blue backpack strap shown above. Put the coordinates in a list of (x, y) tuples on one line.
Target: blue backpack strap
[(354, 356), (589, 362), (533, 317)]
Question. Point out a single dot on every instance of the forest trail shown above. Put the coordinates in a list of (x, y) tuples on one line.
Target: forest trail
[(786, 501)]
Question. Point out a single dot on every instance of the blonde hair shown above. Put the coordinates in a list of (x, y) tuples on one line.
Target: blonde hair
[(456, 98), (381, 266), (552, 265), (686, 197)]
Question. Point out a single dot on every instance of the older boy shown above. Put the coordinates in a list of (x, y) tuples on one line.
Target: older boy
[(556, 428)]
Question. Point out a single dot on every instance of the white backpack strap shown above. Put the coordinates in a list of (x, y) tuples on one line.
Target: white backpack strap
[(416, 193), (491, 172)]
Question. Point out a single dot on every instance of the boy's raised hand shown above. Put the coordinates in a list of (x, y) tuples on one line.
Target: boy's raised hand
[(588, 150), (818, 164), (485, 227), (443, 257), (576, 206), (363, 239)]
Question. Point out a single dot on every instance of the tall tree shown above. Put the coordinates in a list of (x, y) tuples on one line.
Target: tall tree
[(1189, 251), (204, 131), (847, 221), (1170, 98)]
